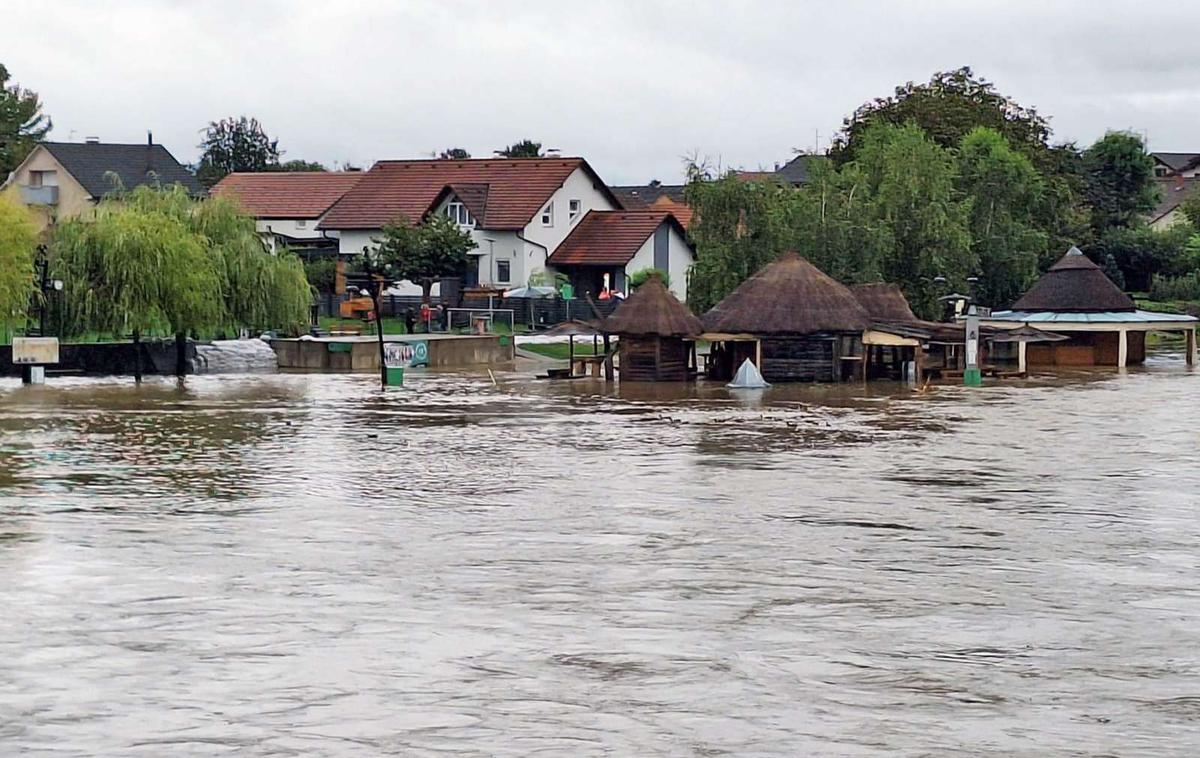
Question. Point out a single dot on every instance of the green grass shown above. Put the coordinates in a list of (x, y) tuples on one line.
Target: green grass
[(1167, 306), (560, 351)]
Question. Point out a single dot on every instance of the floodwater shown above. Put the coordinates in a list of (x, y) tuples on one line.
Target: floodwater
[(303, 566)]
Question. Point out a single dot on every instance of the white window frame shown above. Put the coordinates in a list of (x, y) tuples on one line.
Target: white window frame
[(37, 178), (548, 214), (457, 211), (574, 209)]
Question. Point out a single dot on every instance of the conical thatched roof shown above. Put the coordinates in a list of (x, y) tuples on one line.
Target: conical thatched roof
[(885, 303), (789, 296), (651, 310), (1075, 284)]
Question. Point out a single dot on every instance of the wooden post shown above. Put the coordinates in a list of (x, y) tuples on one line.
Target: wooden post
[(375, 289), (1022, 360), (757, 355), (571, 354), (1190, 341), (919, 364), (609, 373), (1122, 348), (137, 356), (180, 354)]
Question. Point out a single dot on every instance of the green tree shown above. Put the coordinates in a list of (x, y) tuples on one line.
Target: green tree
[(235, 144), (526, 148), (299, 165), (456, 154), (1120, 180), (1190, 208), (1005, 191), (321, 273), (913, 182), (422, 254), (22, 123), (832, 220), (1140, 253), (18, 238)]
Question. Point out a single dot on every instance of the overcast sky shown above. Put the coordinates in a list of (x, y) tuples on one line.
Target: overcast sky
[(630, 85)]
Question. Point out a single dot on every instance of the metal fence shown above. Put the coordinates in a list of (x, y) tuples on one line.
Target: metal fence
[(539, 313)]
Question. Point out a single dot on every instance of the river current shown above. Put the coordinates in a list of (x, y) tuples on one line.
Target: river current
[(299, 565)]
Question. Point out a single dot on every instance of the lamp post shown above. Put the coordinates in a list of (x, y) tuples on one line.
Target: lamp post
[(378, 273)]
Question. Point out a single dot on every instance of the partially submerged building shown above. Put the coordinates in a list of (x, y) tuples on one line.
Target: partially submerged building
[(656, 335), (1103, 325), (793, 321)]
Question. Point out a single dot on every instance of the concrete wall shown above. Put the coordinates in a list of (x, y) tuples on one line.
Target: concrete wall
[(363, 355)]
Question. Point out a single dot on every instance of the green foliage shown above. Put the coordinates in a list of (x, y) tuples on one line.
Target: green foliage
[(235, 144), (299, 165), (422, 254), (321, 273), (18, 239), (22, 124), (913, 181), (1120, 180), (639, 277), (156, 261), (526, 148), (1190, 208), (1141, 252), (459, 154), (1186, 287), (1005, 191)]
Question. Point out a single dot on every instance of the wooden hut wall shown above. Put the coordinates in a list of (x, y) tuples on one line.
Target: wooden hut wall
[(649, 359), (1088, 349), (799, 359)]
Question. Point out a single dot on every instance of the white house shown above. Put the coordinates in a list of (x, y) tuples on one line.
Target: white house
[(518, 211), (288, 205)]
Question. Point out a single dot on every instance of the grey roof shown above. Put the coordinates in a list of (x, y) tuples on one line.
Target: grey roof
[(135, 165), (797, 170), (1101, 317), (639, 196), (1177, 161), (1172, 190)]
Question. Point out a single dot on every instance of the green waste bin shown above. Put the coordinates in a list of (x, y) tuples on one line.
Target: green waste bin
[(394, 376)]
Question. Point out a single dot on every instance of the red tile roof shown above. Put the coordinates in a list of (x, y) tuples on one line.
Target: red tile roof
[(681, 211), (288, 194), (512, 190), (609, 238)]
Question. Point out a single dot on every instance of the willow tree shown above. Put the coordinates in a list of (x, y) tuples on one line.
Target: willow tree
[(136, 269), (18, 237)]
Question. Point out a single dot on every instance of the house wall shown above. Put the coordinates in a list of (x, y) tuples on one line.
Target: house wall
[(352, 241), (679, 257), (543, 240), (73, 200)]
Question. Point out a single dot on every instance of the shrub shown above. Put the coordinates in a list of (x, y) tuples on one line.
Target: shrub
[(1186, 287)]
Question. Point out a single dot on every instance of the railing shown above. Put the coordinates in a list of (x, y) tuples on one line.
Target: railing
[(39, 195)]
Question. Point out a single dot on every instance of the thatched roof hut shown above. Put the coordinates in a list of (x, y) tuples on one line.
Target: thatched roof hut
[(885, 303), (656, 332), (1074, 285), (788, 296), (652, 311)]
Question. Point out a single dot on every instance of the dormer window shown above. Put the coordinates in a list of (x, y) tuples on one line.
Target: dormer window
[(458, 213), (574, 208), (548, 215)]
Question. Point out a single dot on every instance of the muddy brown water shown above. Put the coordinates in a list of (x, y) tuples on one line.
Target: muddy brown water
[(301, 566)]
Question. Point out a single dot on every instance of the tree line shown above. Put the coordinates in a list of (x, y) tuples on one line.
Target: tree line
[(944, 185)]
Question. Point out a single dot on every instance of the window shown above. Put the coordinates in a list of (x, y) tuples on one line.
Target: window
[(301, 223), (574, 208), (503, 271), (43, 178), (458, 213), (548, 215)]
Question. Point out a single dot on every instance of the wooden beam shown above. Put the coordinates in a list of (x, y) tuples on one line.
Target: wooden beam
[(1190, 357), (1022, 356), (1122, 348)]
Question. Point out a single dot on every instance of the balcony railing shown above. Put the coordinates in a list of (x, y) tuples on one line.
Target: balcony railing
[(39, 195)]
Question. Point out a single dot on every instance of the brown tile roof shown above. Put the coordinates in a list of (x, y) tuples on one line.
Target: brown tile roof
[(608, 238), (288, 194), (513, 190)]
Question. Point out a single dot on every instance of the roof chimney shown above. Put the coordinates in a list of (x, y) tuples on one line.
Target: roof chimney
[(92, 140), (149, 138)]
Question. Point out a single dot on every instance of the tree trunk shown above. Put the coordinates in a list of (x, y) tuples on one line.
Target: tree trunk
[(426, 291), (180, 354), (137, 356)]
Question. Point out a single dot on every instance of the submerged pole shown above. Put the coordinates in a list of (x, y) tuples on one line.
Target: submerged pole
[(379, 335), (137, 356)]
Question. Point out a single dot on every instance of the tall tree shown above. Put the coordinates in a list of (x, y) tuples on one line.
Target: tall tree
[(1120, 180), (235, 144), (455, 154), (833, 222), (18, 238), (912, 180), (422, 254), (526, 148), (22, 123), (1005, 191)]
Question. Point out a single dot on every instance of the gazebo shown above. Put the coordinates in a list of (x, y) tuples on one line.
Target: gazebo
[(1103, 325), (792, 320), (656, 335)]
